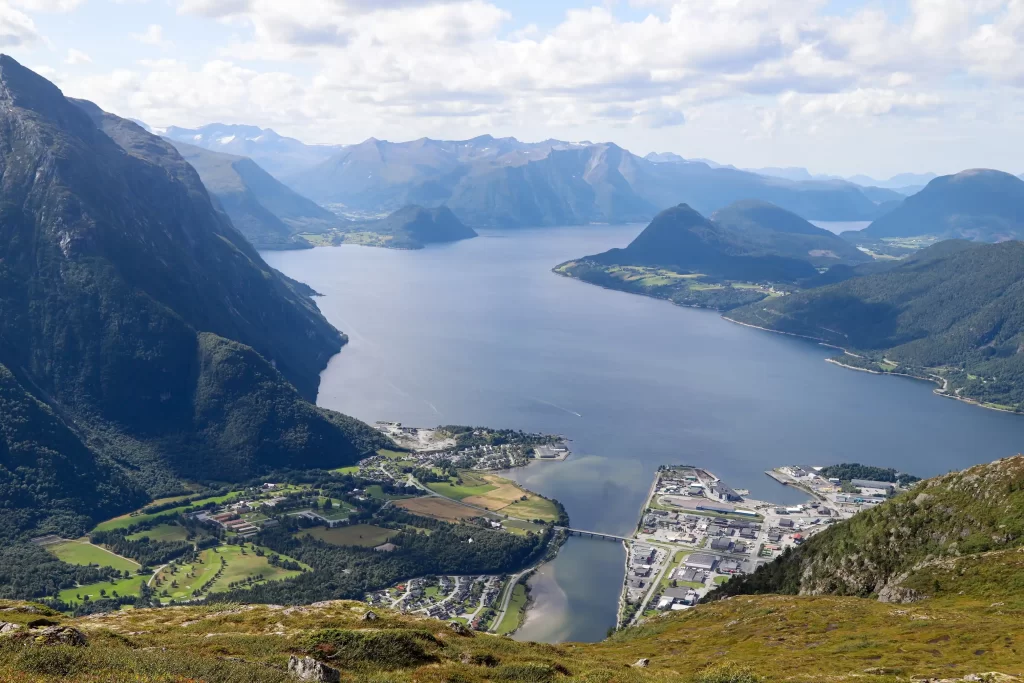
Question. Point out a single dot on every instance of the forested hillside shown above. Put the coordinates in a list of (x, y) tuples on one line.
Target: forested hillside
[(897, 551), (955, 310), (145, 337)]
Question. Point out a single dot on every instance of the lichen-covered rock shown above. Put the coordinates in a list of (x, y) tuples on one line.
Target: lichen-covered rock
[(61, 635), (7, 628), (309, 669)]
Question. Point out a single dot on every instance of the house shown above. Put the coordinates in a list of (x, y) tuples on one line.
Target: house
[(695, 490), (635, 583), (729, 566), (774, 536), (722, 544), (748, 533), (786, 523), (701, 561), (386, 548), (641, 572)]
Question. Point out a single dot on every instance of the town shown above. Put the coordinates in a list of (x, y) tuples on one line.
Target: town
[(696, 532)]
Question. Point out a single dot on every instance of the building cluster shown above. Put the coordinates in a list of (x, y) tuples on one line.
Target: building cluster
[(454, 597)]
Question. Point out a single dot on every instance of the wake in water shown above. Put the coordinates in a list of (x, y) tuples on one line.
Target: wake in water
[(555, 405)]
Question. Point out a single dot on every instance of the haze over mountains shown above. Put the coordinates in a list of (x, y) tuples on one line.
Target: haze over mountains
[(145, 333), (279, 155), (266, 211), (979, 204)]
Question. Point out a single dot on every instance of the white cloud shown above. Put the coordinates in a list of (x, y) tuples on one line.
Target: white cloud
[(153, 35), (16, 28), (48, 5), (76, 57), (340, 70)]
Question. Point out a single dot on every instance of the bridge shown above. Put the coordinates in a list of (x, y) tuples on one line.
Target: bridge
[(583, 533)]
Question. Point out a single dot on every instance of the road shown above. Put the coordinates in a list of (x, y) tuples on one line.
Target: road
[(507, 598)]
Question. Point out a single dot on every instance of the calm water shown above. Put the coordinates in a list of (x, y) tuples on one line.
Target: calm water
[(481, 332), (841, 226)]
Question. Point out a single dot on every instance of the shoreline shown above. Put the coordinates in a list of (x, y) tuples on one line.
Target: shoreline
[(943, 384)]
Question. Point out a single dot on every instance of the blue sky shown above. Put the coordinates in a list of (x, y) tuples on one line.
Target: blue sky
[(838, 86)]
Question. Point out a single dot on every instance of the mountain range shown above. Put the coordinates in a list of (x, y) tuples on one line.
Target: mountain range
[(902, 183), (979, 204), (505, 183), (267, 212), (144, 333), (279, 155)]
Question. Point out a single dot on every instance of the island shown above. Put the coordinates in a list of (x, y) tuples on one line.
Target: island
[(411, 227)]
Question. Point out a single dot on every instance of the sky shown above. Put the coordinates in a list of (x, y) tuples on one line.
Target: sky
[(837, 86)]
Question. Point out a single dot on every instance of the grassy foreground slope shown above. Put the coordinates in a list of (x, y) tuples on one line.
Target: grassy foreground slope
[(774, 638), (950, 549)]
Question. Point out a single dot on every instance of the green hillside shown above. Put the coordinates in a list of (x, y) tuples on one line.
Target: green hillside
[(144, 341), (952, 311), (980, 205), (960, 532), (267, 212)]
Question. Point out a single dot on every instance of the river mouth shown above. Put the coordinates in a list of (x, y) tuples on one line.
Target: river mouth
[(481, 332)]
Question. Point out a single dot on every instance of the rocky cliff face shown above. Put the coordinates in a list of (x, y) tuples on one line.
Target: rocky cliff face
[(119, 281)]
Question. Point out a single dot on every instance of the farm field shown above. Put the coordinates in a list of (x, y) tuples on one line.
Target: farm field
[(163, 532), (491, 492), (438, 508), (365, 535), (85, 554), (473, 485)]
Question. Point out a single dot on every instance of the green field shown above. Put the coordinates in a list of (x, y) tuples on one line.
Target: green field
[(392, 455), (377, 493), (85, 554), (353, 469), (514, 614), (163, 532), (122, 587), (473, 484), (204, 577), (534, 508), (722, 579), (366, 535), (125, 521)]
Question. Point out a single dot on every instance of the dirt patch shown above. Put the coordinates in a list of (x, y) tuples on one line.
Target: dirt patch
[(438, 508)]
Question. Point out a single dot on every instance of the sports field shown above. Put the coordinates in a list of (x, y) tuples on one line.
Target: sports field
[(366, 535), (96, 591), (85, 554), (202, 575)]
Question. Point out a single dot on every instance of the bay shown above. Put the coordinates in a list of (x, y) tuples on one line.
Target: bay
[(482, 332)]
